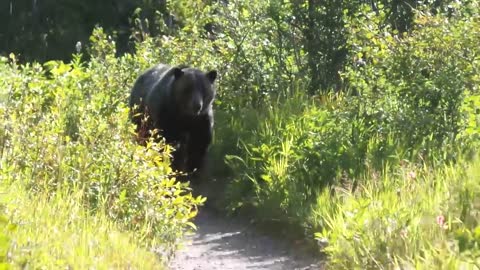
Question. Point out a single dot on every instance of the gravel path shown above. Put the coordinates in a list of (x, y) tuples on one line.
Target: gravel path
[(222, 243)]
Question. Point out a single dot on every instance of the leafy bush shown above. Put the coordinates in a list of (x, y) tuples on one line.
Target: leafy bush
[(66, 127), (418, 84), (412, 99), (420, 89)]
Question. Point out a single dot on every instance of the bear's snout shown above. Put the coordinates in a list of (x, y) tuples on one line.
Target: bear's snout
[(197, 107), (196, 104)]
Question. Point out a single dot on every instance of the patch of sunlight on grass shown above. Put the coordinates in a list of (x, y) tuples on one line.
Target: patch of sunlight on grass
[(57, 232)]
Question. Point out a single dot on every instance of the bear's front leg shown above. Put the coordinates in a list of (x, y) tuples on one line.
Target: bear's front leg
[(178, 157), (199, 140), (178, 141)]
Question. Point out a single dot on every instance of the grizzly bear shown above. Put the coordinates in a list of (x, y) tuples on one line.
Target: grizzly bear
[(177, 101)]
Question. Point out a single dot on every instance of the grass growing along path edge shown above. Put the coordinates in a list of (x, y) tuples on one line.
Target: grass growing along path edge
[(417, 218), (58, 233)]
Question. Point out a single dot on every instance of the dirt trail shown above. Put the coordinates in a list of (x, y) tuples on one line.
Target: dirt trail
[(222, 243)]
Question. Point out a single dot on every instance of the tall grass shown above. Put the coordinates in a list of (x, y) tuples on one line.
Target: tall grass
[(57, 232), (413, 218)]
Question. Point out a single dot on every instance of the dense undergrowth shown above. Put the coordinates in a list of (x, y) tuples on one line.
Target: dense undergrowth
[(382, 171), (57, 232), (66, 132), (385, 173)]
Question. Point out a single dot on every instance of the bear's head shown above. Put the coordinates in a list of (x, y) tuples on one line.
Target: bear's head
[(193, 90)]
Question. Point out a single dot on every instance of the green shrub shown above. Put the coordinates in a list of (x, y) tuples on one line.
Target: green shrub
[(416, 84), (413, 99), (420, 92), (66, 126)]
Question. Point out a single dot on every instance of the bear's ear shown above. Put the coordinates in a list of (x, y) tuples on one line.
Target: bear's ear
[(211, 75), (177, 72)]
